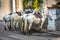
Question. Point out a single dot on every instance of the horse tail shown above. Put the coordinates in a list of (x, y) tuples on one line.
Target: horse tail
[(25, 28), (4, 19), (12, 23)]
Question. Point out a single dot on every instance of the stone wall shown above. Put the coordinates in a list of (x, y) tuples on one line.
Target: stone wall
[(5, 8), (57, 21)]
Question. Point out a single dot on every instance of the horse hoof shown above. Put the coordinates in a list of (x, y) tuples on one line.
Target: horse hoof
[(9, 28), (5, 28), (40, 29), (30, 32), (24, 33), (12, 29)]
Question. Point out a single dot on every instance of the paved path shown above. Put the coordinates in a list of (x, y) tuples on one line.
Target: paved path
[(16, 35)]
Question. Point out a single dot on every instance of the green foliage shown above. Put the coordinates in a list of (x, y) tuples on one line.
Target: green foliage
[(25, 3), (36, 4)]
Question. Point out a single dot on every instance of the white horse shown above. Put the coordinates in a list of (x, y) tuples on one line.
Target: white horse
[(7, 19), (12, 20), (15, 20), (29, 19)]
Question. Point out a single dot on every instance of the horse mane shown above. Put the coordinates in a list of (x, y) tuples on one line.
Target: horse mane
[(19, 13)]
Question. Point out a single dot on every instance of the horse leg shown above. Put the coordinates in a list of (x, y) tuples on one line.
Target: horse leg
[(43, 20), (16, 25), (9, 26), (41, 25), (40, 28), (21, 25), (30, 25), (12, 24), (6, 26)]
